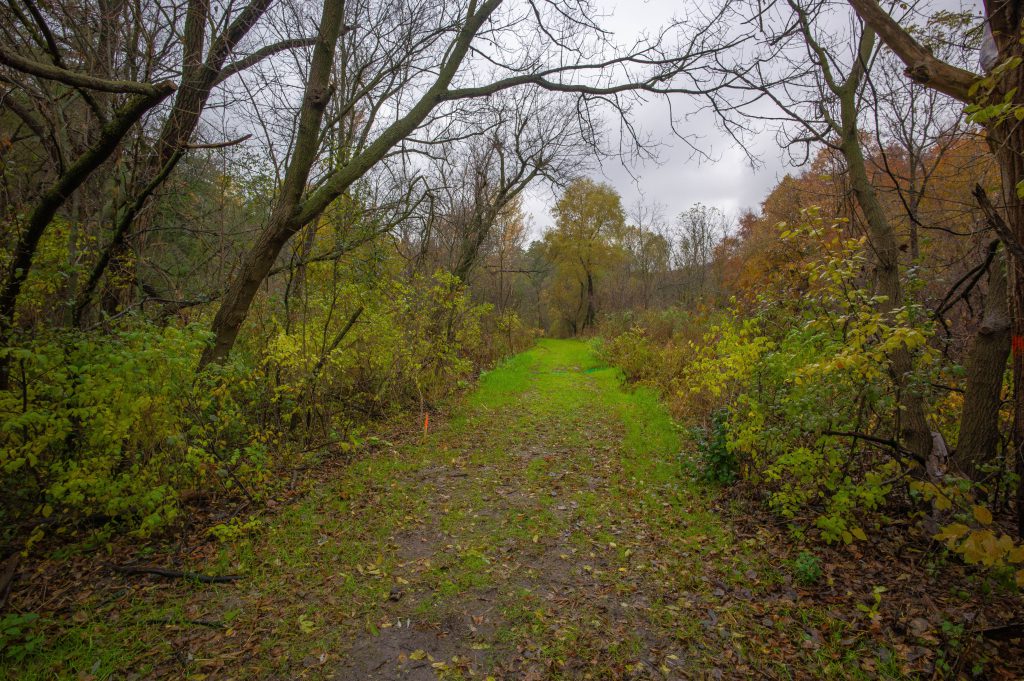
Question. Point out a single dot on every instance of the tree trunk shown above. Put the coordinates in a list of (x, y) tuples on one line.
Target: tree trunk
[(284, 220), (985, 367), (588, 320), (1007, 139), (198, 79), (912, 425)]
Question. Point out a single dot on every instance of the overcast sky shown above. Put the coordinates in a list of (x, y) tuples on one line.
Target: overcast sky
[(679, 179)]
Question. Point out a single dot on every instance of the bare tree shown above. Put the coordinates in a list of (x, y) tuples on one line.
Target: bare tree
[(442, 54), (515, 139), (45, 86), (915, 126), (200, 73), (699, 230)]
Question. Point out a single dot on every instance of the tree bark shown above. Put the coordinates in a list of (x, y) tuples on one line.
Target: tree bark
[(985, 366)]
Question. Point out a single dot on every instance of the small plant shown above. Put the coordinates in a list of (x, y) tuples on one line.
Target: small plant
[(235, 529), (948, 654), (18, 637), (806, 569), (720, 464), (872, 609)]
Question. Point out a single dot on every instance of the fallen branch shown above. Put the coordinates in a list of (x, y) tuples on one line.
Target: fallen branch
[(8, 571), (885, 442), (173, 574), (1005, 632)]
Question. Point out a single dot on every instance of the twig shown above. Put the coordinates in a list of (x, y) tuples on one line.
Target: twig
[(973, 275), (200, 623), (218, 145), (173, 574)]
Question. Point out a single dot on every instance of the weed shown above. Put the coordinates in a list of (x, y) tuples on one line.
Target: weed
[(806, 568)]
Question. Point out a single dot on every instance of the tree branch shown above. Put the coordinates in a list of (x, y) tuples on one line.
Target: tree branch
[(76, 79), (922, 66), (995, 220), (259, 55)]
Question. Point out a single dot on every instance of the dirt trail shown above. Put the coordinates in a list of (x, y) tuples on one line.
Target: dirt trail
[(542, 549)]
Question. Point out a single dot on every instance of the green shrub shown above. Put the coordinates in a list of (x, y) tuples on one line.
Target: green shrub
[(114, 428), (633, 353), (720, 464), (769, 387)]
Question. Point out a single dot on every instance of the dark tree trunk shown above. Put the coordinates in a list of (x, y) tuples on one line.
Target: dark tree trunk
[(985, 366), (1007, 139), (591, 314), (284, 221)]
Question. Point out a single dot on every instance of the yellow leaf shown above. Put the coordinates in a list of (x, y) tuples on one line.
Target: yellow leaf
[(1016, 555), (859, 534), (1005, 543), (417, 654), (982, 515), (952, 532)]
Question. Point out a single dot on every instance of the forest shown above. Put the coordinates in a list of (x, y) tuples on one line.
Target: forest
[(329, 348)]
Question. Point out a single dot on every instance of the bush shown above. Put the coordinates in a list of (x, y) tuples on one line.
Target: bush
[(720, 464), (768, 387), (116, 428), (633, 353), (774, 389)]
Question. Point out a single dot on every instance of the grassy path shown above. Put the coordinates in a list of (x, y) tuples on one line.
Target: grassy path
[(548, 530)]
